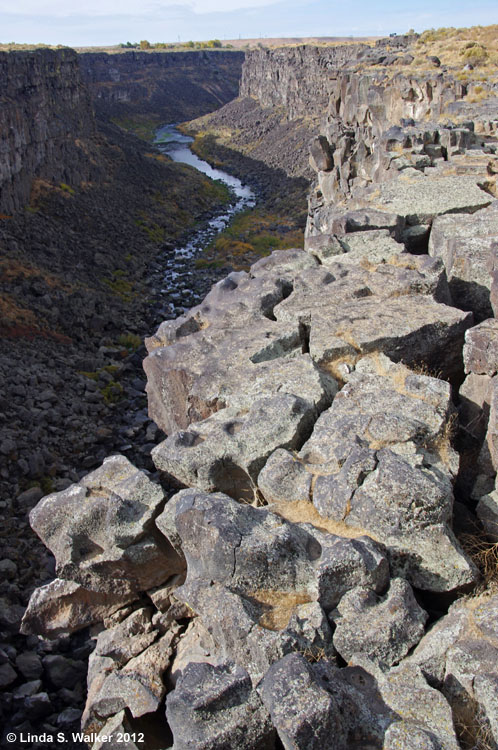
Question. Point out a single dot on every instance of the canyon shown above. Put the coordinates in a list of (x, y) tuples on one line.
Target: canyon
[(304, 555)]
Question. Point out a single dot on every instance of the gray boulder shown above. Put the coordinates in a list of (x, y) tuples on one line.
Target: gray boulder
[(137, 686), (64, 607), (480, 353), (305, 714), (216, 707), (459, 656), (319, 706), (101, 531), (227, 451), (384, 628), (467, 245)]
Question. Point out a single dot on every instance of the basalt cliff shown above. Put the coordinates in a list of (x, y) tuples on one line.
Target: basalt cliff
[(313, 563)]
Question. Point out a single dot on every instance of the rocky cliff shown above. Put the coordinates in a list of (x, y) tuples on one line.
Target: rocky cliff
[(47, 126), (325, 577), (172, 86)]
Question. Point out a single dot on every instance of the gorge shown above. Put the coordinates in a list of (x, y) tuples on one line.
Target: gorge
[(302, 551)]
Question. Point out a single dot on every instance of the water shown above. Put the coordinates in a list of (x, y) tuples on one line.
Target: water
[(176, 145)]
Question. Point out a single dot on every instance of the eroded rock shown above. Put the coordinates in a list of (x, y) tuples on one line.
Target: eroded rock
[(102, 534)]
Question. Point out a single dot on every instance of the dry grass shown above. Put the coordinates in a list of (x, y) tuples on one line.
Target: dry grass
[(303, 511), (277, 606), (485, 556), (477, 45), (472, 727)]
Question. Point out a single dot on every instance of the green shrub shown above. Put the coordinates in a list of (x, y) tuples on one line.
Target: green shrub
[(474, 53), (130, 341)]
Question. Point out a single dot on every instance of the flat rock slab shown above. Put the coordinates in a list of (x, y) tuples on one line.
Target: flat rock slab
[(413, 329), (420, 200)]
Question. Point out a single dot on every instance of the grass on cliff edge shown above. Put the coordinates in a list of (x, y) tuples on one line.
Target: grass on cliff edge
[(455, 48)]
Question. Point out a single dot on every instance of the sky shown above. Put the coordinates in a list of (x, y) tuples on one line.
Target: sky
[(107, 22)]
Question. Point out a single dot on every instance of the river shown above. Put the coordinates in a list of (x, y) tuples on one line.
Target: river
[(176, 145)]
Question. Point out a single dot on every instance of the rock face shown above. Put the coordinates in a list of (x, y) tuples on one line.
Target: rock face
[(170, 86), (47, 124), (467, 246)]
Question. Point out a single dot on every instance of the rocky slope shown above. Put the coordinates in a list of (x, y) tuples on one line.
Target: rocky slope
[(323, 574)]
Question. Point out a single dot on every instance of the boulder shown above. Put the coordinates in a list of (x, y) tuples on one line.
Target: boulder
[(305, 715), (65, 606), (384, 628), (459, 656), (320, 706), (381, 447), (137, 686), (227, 451), (480, 352), (320, 154), (467, 245), (102, 534), (216, 706)]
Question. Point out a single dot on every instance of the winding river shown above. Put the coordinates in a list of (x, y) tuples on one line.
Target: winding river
[(176, 145)]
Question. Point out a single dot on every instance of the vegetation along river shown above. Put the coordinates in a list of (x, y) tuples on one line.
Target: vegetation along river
[(176, 145)]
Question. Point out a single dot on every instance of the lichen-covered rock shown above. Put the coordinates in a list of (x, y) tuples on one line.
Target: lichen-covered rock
[(384, 628), (319, 706), (137, 684), (347, 563), (216, 707), (227, 451), (422, 199), (101, 531), (380, 448), (304, 713), (480, 352)]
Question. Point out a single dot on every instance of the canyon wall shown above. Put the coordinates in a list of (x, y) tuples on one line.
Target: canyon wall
[(171, 85), (47, 126)]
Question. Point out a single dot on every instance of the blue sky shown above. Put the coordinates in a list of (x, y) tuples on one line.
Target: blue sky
[(98, 22)]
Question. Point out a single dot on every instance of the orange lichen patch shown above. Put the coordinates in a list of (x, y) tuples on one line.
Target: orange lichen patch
[(277, 606), (4, 216), (12, 313), (303, 511)]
